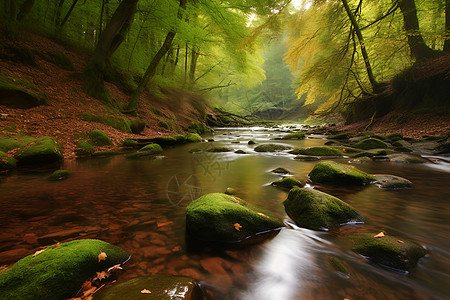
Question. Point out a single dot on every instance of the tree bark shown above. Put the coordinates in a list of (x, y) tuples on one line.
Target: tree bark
[(419, 50), (193, 65), (25, 9), (58, 12), (69, 12), (362, 45), (447, 26), (151, 70)]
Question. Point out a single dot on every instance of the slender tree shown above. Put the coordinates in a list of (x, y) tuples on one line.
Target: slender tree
[(447, 27)]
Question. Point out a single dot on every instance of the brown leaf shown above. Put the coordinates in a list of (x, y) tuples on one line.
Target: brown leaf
[(114, 268), (145, 291), (380, 235), (38, 252), (237, 226), (102, 256), (102, 275), (401, 242)]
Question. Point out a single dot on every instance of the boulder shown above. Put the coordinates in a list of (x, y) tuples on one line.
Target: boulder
[(317, 151), (15, 142), (146, 151), (59, 271), (281, 170), (251, 142), (317, 210), (373, 152), (160, 287), (407, 159), (15, 96), (371, 143), (84, 148), (180, 138), (288, 183), (272, 147), (42, 150), (99, 138), (164, 140), (7, 163), (306, 158), (333, 173), (391, 182), (59, 175), (221, 218), (193, 138), (129, 143), (389, 251)]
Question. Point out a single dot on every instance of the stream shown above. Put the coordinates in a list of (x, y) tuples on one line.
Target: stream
[(139, 205)]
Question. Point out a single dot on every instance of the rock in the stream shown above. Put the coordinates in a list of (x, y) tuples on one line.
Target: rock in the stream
[(149, 150), (317, 210), (59, 175), (223, 218), (373, 152), (272, 147), (42, 150), (193, 138), (7, 163), (317, 151), (288, 183), (230, 191), (389, 251), (281, 170), (370, 143), (391, 182), (240, 152), (307, 158), (339, 136), (159, 287), (407, 159), (333, 173), (219, 149), (251, 142), (59, 271), (164, 140)]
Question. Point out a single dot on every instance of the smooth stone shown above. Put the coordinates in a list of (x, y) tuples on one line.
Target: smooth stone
[(272, 148), (42, 150), (317, 151), (333, 173), (281, 170), (288, 183), (392, 182)]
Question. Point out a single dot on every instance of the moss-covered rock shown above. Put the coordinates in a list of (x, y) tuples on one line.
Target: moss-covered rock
[(333, 173), (407, 159), (294, 136), (219, 149), (58, 272), (317, 210), (180, 138), (288, 183), (389, 251), (223, 218), (230, 191), (16, 96), (7, 163), (281, 170), (395, 137), (162, 287), (200, 128), (240, 152), (42, 150), (8, 144), (371, 143), (146, 151), (59, 175), (391, 182), (339, 136), (117, 122), (317, 151), (306, 158), (99, 138), (272, 147), (84, 148), (164, 140), (193, 138), (137, 125), (129, 143), (373, 152)]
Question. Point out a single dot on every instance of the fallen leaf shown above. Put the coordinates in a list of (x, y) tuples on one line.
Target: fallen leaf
[(401, 242), (87, 285), (115, 267), (102, 275), (38, 252), (102, 256), (380, 235), (237, 226), (164, 224), (89, 292), (263, 215), (145, 291)]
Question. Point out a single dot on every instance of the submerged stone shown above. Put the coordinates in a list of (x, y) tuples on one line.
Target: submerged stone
[(272, 147), (221, 218), (371, 143), (317, 151), (288, 183), (99, 138), (389, 251), (59, 271), (219, 149), (161, 287), (391, 182), (317, 210), (230, 191), (333, 173), (42, 150), (59, 175)]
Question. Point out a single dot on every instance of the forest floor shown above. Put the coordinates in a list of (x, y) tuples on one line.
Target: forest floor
[(62, 118)]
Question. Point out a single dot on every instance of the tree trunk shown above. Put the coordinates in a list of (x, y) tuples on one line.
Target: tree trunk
[(68, 14), (100, 24), (151, 70), (447, 26), (193, 65), (419, 50), (58, 13), (362, 45), (106, 46), (25, 9)]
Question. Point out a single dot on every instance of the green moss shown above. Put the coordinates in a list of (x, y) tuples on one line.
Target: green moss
[(306, 158), (10, 128), (9, 144), (129, 143), (137, 126), (164, 140), (60, 59), (58, 272), (84, 148), (213, 218), (162, 287), (272, 147), (99, 138), (395, 137), (330, 172), (149, 150), (7, 163), (294, 136), (19, 93), (157, 112), (338, 265), (373, 152), (200, 128), (163, 125), (339, 136), (371, 143), (388, 251), (193, 138), (288, 183), (317, 210), (219, 149), (119, 123), (180, 138), (42, 150), (317, 151), (59, 175), (281, 170)]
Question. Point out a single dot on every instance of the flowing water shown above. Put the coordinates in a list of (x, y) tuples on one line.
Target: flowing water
[(139, 205)]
